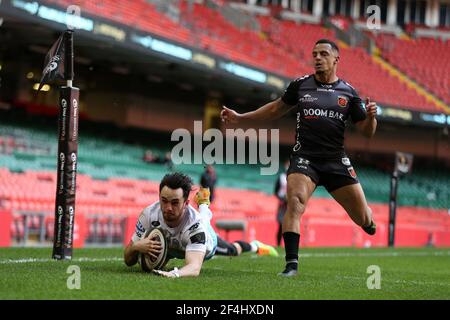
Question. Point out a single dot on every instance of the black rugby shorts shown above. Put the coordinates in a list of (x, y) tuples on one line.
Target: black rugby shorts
[(330, 173)]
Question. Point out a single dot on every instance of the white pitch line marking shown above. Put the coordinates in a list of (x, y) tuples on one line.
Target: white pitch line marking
[(301, 255), (39, 260)]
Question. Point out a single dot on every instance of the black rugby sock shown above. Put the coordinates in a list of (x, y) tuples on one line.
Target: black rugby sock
[(291, 242), (245, 246)]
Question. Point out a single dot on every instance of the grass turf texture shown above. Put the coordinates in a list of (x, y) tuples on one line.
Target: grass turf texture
[(331, 273)]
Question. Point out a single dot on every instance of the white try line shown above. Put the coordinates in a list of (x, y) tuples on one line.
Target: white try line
[(81, 259), (374, 254), (301, 255)]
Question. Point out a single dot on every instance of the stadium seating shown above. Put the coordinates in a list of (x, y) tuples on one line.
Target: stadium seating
[(138, 13), (246, 46), (425, 60), (284, 48), (107, 210), (103, 159), (369, 78), (114, 185)]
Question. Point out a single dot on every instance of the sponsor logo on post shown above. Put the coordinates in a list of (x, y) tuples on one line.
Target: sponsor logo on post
[(75, 119), (69, 228), (62, 159), (73, 157), (63, 119), (60, 214)]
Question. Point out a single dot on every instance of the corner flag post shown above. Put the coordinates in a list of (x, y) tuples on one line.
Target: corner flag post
[(67, 156)]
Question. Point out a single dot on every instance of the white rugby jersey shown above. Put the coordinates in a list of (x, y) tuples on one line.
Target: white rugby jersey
[(192, 234)]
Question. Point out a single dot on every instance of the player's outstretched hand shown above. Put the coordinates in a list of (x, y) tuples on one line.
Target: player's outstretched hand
[(229, 115), (167, 274), (371, 108)]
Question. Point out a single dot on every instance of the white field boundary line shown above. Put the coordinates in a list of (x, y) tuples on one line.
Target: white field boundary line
[(364, 254), (375, 254), (302, 255), (36, 260)]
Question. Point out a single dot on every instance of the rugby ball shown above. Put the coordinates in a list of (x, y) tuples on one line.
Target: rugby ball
[(149, 263)]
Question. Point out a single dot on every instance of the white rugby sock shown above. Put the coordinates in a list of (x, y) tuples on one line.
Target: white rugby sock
[(205, 212)]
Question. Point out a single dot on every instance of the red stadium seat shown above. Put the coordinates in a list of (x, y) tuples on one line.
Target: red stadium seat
[(284, 48)]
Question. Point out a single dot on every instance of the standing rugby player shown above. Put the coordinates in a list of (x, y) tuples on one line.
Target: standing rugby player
[(323, 103)]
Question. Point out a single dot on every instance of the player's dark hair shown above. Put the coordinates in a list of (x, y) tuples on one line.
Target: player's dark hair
[(331, 43), (177, 180)]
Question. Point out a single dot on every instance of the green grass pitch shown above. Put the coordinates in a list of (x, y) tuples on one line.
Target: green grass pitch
[(326, 273)]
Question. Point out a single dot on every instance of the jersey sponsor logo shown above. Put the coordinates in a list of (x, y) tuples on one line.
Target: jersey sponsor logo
[(346, 161), (352, 172), (198, 238), (313, 113), (308, 98), (297, 137), (139, 227), (342, 101), (156, 224), (325, 90), (194, 226)]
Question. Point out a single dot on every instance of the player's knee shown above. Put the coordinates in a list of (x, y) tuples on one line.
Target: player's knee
[(296, 205)]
